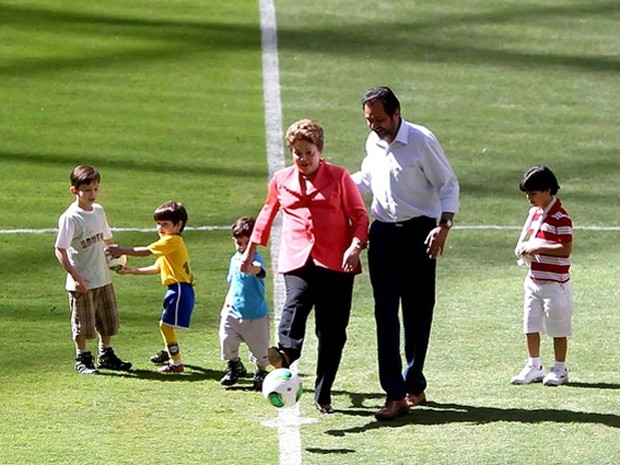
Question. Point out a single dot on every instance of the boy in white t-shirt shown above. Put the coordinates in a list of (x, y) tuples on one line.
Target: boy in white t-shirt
[(83, 233)]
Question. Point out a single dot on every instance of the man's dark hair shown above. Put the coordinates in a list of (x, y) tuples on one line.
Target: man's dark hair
[(385, 96)]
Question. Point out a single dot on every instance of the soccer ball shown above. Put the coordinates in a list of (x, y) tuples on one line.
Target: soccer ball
[(116, 264), (282, 388)]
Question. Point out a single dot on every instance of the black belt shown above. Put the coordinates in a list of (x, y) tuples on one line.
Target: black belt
[(415, 221)]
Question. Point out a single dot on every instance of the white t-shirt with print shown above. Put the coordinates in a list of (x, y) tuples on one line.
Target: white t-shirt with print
[(82, 233)]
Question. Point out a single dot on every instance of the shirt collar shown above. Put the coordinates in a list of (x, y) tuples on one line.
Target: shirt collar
[(401, 136)]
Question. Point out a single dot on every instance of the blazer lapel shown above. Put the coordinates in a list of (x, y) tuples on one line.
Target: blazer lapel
[(297, 186), (322, 179), (292, 183)]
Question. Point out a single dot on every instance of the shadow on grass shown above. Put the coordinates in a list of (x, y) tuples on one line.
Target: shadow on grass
[(192, 373), (128, 163), (593, 385), (241, 386), (424, 39), (170, 39), (316, 450), (435, 413), (357, 398)]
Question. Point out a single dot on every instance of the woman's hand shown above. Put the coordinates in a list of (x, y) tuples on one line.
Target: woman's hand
[(351, 257), (247, 257)]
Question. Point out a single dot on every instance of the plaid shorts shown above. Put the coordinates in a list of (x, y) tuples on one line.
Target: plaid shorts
[(94, 312)]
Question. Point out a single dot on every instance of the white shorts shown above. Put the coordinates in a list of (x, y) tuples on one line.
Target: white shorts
[(255, 333), (548, 307)]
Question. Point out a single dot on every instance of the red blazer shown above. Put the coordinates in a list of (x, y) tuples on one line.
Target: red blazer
[(319, 220)]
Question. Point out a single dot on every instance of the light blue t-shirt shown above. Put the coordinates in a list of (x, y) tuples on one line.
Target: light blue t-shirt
[(246, 295)]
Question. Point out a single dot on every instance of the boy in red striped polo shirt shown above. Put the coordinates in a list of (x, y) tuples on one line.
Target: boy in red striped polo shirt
[(548, 302)]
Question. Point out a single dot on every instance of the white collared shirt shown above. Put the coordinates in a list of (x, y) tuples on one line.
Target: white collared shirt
[(408, 178)]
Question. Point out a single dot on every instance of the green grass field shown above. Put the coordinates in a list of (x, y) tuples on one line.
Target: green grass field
[(166, 99)]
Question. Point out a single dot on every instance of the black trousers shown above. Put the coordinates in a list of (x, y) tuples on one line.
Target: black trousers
[(330, 293), (402, 274)]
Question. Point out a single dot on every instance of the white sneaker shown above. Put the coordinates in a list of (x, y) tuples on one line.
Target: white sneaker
[(529, 374), (556, 377)]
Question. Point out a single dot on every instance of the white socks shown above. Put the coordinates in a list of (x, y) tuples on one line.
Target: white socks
[(537, 363), (534, 362)]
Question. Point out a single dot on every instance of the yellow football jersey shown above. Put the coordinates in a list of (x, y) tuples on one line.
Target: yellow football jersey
[(172, 260)]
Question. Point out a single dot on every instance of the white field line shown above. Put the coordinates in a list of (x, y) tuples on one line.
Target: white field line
[(146, 230), (517, 228), (276, 231), (289, 420)]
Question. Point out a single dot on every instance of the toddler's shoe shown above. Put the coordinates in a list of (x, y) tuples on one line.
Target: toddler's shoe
[(556, 377), (529, 374), (259, 377), (234, 371)]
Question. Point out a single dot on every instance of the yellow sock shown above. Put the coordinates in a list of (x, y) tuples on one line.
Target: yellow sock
[(170, 340)]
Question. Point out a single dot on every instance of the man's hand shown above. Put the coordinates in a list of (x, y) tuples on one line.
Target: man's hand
[(436, 241)]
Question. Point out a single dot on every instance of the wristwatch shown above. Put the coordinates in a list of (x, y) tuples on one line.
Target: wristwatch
[(446, 223)]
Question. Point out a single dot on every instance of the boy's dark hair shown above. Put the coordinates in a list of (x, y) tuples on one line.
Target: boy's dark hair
[(243, 227), (171, 211), (539, 178), (385, 96), (83, 174)]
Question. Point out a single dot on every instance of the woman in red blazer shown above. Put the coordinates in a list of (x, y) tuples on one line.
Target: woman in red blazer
[(324, 228)]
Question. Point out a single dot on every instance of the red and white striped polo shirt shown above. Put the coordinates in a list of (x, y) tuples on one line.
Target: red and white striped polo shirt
[(556, 227)]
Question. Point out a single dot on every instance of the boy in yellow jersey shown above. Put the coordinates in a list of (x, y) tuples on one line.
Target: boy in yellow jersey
[(174, 268)]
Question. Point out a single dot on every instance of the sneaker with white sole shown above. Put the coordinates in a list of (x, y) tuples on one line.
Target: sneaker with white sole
[(259, 377), (85, 364), (529, 374), (556, 377), (172, 368), (234, 371), (109, 360), (160, 358)]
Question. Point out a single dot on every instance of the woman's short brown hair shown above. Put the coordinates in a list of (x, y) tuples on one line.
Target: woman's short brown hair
[(305, 129)]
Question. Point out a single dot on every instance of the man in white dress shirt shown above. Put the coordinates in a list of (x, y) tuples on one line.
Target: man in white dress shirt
[(415, 196)]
